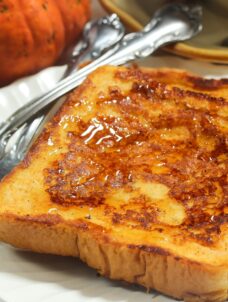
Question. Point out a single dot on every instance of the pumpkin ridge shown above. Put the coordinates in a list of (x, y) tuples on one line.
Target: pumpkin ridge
[(66, 21), (58, 39), (25, 18), (86, 8), (63, 22), (42, 50)]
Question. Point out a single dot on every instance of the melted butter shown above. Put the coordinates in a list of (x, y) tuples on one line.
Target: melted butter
[(88, 130), (120, 197), (152, 190), (167, 210), (50, 142), (68, 118), (93, 133), (53, 211), (101, 131), (170, 211)]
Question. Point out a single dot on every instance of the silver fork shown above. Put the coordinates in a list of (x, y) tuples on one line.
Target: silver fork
[(173, 22)]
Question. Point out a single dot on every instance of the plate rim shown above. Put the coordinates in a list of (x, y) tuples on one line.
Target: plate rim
[(180, 48)]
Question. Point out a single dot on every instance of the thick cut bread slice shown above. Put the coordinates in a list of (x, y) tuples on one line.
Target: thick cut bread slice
[(131, 176)]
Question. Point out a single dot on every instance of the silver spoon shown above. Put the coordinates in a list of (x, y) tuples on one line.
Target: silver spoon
[(98, 36), (174, 22)]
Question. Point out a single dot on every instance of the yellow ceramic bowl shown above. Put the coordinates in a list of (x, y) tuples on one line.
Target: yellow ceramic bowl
[(211, 44)]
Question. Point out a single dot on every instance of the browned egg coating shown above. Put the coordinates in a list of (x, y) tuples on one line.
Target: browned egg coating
[(153, 157)]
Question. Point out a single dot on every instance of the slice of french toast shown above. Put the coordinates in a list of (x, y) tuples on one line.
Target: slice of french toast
[(131, 176)]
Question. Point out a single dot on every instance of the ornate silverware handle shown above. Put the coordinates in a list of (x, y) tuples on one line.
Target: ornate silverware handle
[(174, 22)]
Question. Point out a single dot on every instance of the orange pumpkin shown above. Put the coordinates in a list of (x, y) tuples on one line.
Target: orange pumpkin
[(34, 33)]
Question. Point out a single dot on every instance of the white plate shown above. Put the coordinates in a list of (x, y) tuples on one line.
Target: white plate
[(26, 277)]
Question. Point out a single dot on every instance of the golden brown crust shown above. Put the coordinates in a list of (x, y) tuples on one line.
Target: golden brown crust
[(125, 137), (166, 273), (132, 173)]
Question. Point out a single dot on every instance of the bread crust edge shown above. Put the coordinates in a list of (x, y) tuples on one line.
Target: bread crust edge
[(164, 272)]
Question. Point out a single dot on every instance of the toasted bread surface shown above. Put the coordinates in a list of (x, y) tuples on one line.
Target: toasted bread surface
[(131, 176)]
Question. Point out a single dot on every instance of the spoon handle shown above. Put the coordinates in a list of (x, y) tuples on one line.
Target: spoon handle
[(172, 23)]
